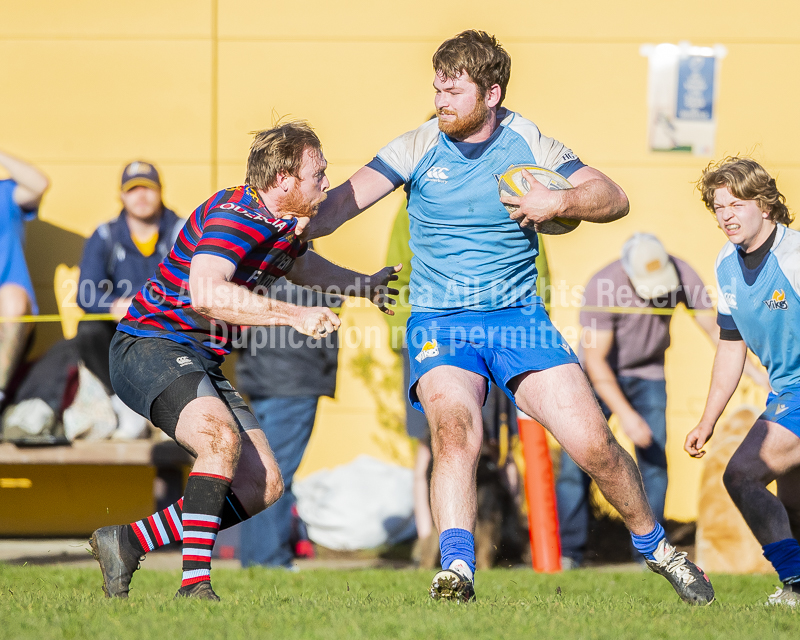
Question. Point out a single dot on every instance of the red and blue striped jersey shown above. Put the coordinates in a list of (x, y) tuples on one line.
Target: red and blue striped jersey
[(231, 224)]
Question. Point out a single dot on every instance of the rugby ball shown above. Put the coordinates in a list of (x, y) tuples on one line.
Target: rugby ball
[(514, 183)]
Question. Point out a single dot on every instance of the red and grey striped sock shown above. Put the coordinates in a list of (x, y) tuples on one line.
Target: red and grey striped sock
[(166, 526), (203, 504)]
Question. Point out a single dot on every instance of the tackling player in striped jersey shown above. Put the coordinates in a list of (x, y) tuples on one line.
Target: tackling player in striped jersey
[(166, 354)]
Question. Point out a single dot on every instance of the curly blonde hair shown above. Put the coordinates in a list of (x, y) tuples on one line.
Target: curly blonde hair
[(747, 180)]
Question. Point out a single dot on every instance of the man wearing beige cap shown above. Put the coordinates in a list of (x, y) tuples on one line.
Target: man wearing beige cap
[(623, 355)]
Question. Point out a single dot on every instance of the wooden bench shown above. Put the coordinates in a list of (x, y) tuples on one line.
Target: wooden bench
[(71, 490)]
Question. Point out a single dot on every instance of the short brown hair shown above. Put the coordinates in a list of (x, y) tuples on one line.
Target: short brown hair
[(279, 150), (747, 180), (478, 54)]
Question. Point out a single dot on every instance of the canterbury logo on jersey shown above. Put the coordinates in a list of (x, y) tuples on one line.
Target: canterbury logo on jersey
[(438, 174), (730, 299), (777, 301)]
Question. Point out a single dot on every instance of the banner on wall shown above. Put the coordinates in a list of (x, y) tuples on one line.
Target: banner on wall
[(682, 91)]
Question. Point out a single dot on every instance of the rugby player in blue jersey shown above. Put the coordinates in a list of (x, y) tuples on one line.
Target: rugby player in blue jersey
[(166, 353), (476, 319), (758, 280)]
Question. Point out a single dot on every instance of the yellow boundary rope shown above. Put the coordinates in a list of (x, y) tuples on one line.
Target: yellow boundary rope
[(54, 317)]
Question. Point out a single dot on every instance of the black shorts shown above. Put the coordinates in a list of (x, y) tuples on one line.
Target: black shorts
[(157, 378)]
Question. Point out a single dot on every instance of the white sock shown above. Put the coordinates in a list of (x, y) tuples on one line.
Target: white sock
[(461, 567)]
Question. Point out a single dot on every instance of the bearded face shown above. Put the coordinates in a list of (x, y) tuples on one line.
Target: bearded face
[(300, 203), (463, 126)]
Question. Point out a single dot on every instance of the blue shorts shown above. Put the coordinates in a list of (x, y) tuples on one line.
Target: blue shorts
[(13, 270), (783, 408), (498, 345)]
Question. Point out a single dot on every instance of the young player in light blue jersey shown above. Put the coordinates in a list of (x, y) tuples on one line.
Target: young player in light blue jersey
[(476, 319), (758, 275)]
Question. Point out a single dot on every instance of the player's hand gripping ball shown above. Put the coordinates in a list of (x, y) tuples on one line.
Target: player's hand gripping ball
[(514, 183)]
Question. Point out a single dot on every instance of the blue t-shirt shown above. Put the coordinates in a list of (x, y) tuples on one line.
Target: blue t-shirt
[(13, 269), (763, 304), (468, 252)]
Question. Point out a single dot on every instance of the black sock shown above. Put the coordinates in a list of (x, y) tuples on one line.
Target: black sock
[(202, 515)]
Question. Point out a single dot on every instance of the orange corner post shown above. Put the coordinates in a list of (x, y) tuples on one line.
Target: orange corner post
[(540, 493)]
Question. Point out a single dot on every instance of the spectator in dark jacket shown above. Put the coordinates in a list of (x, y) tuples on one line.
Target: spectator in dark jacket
[(285, 374), (119, 258)]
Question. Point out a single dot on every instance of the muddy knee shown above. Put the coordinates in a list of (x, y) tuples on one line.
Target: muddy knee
[(224, 439), (597, 458), (453, 435)]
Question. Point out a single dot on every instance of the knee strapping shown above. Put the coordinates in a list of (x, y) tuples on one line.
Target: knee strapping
[(169, 404)]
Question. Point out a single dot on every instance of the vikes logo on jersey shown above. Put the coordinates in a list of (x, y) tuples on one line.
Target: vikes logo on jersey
[(438, 174), (429, 350), (777, 301)]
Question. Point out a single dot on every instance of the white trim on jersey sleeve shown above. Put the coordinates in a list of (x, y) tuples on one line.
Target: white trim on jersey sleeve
[(549, 153), (787, 253), (404, 153), (723, 308)]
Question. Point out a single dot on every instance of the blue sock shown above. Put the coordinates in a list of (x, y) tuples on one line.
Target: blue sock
[(647, 544), (457, 544), (785, 557)]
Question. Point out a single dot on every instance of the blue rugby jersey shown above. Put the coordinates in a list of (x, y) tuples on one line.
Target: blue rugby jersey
[(468, 253), (231, 224), (763, 304)]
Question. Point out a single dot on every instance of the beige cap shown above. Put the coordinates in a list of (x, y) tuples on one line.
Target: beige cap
[(649, 267)]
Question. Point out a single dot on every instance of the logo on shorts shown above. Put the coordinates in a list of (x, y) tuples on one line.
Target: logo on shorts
[(566, 348), (781, 408), (429, 350), (777, 301), (183, 360)]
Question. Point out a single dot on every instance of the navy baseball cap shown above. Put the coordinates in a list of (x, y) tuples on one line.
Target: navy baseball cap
[(140, 174)]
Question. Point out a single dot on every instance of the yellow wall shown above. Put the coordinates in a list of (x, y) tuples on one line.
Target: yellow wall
[(90, 85)]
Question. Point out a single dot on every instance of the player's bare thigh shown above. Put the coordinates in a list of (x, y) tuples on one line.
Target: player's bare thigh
[(452, 399), (207, 428), (768, 451), (257, 482), (561, 399)]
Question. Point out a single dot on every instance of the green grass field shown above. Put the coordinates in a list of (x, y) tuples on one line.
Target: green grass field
[(60, 602)]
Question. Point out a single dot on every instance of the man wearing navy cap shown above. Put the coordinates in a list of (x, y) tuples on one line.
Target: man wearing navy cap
[(117, 260)]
